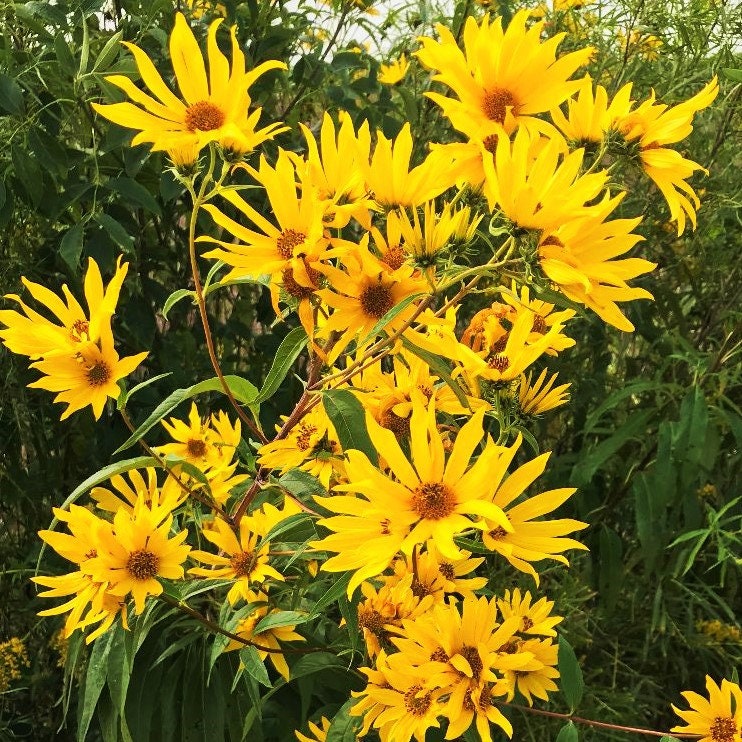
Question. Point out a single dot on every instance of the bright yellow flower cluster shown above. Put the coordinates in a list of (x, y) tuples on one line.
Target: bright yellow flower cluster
[(720, 632), (375, 245), (76, 353), (716, 719), (13, 658)]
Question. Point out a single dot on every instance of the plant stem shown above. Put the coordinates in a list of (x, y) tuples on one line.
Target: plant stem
[(198, 200), (599, 724)]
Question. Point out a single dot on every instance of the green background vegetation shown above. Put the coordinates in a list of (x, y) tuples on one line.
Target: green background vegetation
[(655, 416)]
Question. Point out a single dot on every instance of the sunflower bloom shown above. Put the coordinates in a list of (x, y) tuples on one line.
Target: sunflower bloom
[(289, 252), (126, 495), (35, 336), (389, 179), (361, 297), (527, 540), (208, 444), (334, 172), (653, 126), (434, 499), (87, 378), (502, 78), (214, 107), (136, 551), (713, 718), (537, 397), (318, 731), (394, 72)]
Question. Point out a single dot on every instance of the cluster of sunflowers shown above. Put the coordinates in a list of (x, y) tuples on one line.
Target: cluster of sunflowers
[(374, 255)]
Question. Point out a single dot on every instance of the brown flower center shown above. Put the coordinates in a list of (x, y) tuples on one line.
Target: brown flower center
[(287, 241), (142, 564), (417, 705), (196, 448), (439, 655), (79, 330), (501, 344), (203, 116), (447, 571), (552, 240), (304, 438), (471, 655), (723, 729), (98, 374), (293, 288), (400, 426), (394, 257), (490, 143), (527, 623), (496, 103), (376, 300), (510, 647), (371, 620), (498, 362), (498, 533), (420, 589), (244, 563), (433, 501), (539, 325)]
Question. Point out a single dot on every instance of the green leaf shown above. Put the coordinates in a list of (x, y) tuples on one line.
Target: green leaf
[(116, 232), (668, 737), (242, 390), (278, 619), (316, 662), (125, 395), (735, 75), (108, 52), (11, 96), (28, 171), (134, 192), (289, 350), (301, 483), (475, 547), (349, 419), (119, 669), (571, 682), (389, 316), (95, 678), (337, 589), (85, 50), (70, 246), (593, 459), (285, 525), (568, 733), (174, 298), (344, 727), (439, 367), (611, 568), (254, 666), (613, 399)]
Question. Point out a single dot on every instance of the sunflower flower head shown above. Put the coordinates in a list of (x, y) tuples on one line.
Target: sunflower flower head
[(214, 107)]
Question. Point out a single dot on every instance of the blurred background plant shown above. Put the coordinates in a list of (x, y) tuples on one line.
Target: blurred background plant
[(652, 437)]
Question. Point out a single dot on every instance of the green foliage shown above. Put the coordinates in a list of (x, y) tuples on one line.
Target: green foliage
[(652, 437)]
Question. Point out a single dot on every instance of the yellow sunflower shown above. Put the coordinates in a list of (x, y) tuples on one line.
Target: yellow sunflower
[(365, 293), (536, 678), (716, 719), (35, 336), (502, 78), (290, 252), (537, 397), (390, 181), (536, 618), (127, 494), (653, 126), (434, 499), (394, 72), (527, 540), (135, 552), (207, 444), (396, 703), (214, 107), (244, 560), (88, 377), (270, 638), (335, 171), (579, 258)]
